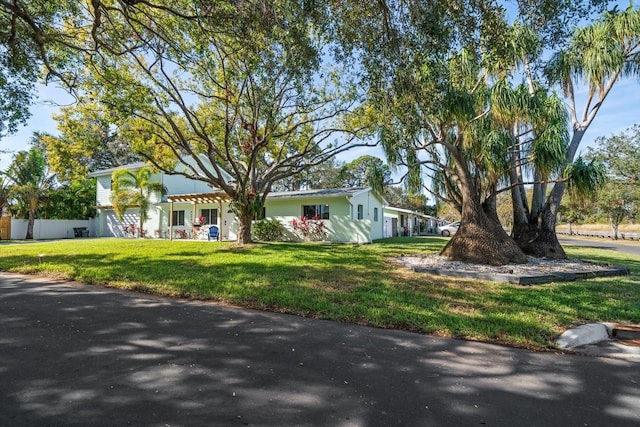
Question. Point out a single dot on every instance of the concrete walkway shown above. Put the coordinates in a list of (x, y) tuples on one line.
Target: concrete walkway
[(74, 355)]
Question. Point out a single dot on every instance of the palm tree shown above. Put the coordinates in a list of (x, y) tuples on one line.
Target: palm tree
[(599, 56), (134, 189), (31, 181)]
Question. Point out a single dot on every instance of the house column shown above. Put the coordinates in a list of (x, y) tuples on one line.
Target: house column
[(171, 221), (193, 221), (220, 219)]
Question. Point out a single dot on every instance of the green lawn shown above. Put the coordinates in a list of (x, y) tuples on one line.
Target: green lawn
[(348, 283)]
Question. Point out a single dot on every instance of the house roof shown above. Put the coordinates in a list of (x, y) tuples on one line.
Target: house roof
[(416, 213), (325, 192), (110, 171), (186, 168)]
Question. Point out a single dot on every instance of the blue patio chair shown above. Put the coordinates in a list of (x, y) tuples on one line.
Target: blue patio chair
[(213, 233)]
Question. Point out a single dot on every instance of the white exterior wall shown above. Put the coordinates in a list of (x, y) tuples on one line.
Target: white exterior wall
[(109, 226), (103, 190), (342, 225), (177, 184), (390, 218), (50, 228), (369, 202), (158, 224)]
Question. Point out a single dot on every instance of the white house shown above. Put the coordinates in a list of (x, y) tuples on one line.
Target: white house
[(405, 222), (350, 215), (173, 215)]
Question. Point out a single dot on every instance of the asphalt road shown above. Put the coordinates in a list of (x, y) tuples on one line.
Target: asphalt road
[(632, 248), (74, 355)]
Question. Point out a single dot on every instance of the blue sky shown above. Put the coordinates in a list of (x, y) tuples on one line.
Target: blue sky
[(620, 111)]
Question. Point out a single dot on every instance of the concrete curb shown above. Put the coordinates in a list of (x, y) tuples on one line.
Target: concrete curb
[(582, 335), (520, 279)]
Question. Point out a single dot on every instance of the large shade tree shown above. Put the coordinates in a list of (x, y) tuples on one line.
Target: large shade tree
[(456, 118), (195, 97), (87, 142), (598, 56), (462, 146), (32, 46), (432, 101), (365, 170)]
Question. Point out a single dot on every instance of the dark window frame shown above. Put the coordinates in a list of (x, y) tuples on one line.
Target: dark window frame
[(319, 211), (211, 217), (177, 218)]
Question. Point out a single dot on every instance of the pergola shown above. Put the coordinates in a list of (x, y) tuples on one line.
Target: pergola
[(197, 199)]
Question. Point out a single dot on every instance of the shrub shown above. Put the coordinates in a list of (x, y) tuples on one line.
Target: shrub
[(268, 230), (310, 229)]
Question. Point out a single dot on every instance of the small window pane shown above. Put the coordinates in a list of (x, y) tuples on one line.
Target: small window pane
[(210, 216), (324, 211), (309, 211), (177, 218), (315, 211)]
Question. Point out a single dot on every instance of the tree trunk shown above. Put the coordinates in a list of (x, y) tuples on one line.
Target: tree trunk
[(614, 228), (536, 234), (244, 227), (30, 221), (537, 237), (481, 238)]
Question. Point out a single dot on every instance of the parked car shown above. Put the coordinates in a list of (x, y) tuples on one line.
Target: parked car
[(449, 229)]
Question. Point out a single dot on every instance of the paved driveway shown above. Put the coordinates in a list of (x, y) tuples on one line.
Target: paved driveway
[(75, 355)]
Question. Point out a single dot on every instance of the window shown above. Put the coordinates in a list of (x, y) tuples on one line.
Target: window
[(177, 218), (210, 216), (375, 214), (360, 212), (315, 211)]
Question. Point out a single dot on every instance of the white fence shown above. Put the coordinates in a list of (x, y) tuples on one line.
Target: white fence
[(44, 229)]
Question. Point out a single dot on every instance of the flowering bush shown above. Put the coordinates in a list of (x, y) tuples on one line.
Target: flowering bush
[(130, 230), (310, 229), (133, 230)]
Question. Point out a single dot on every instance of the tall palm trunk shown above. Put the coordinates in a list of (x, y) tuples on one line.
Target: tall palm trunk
[(535, 232), (30, 221)]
